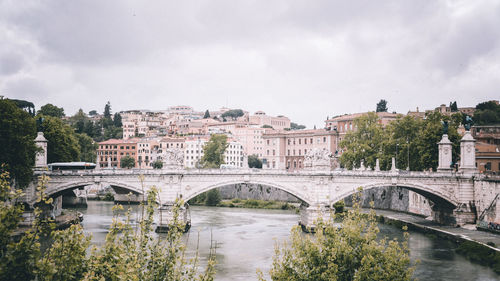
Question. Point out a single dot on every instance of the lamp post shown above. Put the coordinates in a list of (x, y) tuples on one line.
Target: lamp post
[(408, 146)]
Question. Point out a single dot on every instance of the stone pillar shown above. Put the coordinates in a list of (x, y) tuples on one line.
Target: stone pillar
[(468, 154), (245, 161), (309, 216), (393, 165), (97, 161), (167, 218), (377, 165), (41, 157), (445, 152)]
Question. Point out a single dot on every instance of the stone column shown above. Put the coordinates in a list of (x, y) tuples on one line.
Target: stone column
[(468, 154), (445, 152), (309, 216), (41, 157), (377, 165), (167, 218)]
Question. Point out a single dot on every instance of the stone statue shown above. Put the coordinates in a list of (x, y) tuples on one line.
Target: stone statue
[(174, 158), (318, 159)]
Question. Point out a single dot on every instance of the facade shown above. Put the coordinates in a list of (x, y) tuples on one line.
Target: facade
[(261, 119), (487, 134), (285, 150), (487, 158), (110, 152), (250, 137), (148, 151), (193, 153)]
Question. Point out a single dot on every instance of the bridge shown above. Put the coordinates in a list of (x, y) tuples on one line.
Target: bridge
[(457, 196)]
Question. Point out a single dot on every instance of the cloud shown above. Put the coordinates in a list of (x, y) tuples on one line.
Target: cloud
[(306, 60)]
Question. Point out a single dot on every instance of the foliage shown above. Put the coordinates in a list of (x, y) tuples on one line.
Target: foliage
[(267, 126), (117, 120), (254, 161), (27, 106), (213, 197), (295, 126), (88, 148), (365, 143), (107, 110), (453, 106), (158, 164), (233, 113), (63, 143), (93, 113), (350, 252), (51, 110), (129, 253), (127, 162), (382, 106), (410, 140), (487, 113), (339, 206), (207, 114), (214, 151), (17, 145), (480, 254)]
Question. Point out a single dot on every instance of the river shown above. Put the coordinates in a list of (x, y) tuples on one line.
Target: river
[(246, 237)]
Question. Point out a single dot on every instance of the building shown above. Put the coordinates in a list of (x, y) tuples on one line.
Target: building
[(193, 152), (110, 152), (285, 150), (261, 119), (487, 134), (148, 151), (250, 137), (487, 157)]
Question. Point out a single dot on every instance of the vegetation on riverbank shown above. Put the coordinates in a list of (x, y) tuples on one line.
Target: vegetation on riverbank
[(480, 254)]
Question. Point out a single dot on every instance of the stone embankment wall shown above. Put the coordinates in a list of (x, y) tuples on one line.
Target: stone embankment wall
[(255, 191)]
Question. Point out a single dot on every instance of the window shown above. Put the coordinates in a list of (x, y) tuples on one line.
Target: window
[(121, 147), (324, 139), (289, 152), (274, 153), (289, 141), (300, 141), (305, 141)]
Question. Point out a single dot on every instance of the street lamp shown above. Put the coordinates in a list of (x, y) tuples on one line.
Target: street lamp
[(408, 145), (396, 164)]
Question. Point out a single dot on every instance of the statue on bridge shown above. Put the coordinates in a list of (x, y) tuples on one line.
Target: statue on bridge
[(318, 159), (174, 159)]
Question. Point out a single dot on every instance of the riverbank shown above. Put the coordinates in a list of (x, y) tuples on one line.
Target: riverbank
[(254, 204), (61, 222), (478, 246)]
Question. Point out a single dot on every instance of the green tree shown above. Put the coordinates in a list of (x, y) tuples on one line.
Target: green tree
[(254, 161), (25, 105), (363, 144), (93, 113), (127, 162), (453, 106), (402, 142), (107, 110), (17, 146), (382, 106), (233, 113), (158, 164), (487, 113), (207, 114), (62, 142), (350, 252), (295, 126), (88, 148), (213, 197), (267, 126), (214, 151), (117, 120), (51, 110)]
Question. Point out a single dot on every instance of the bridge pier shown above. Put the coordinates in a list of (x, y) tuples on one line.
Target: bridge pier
[(455, 217), (170, 215), (311, 215), (70, 199)]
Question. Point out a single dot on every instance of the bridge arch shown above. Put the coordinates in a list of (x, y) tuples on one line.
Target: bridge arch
[(193, 192), (432, 194), (55, 191)]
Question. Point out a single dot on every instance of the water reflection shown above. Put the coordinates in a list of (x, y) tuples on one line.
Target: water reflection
[(245, 240)]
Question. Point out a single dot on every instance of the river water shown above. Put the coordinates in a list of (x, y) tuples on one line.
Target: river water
[(245, 240)]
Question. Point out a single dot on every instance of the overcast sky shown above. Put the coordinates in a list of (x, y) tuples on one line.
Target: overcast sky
[(303, 59)]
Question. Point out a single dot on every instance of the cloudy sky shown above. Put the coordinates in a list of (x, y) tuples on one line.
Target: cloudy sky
[(303, 59)]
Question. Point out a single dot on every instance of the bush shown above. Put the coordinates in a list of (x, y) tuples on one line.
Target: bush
[(339, 206), (213, 198)]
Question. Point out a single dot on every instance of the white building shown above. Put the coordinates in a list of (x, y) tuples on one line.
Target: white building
[(234, 154)]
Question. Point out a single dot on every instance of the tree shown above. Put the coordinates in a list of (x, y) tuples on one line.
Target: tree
[(88, 148), (214, 151), (295, 126), (62, 142), (363, 144), (117, 120), (127, 162), (93, 113), (51, 110), (267, 126), (254, 161), (382, 106), (453, 106), (350, 252), (487, 113), (158, 164), (207, 114), (213, 197), (107, 110), (17, 145), (233, 113)]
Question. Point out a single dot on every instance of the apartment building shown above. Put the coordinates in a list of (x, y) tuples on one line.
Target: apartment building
[(261, 119), (287, 149), (148, 151), (111, 151)]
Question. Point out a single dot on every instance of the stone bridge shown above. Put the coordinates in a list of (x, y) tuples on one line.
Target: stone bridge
[(458, 197)]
